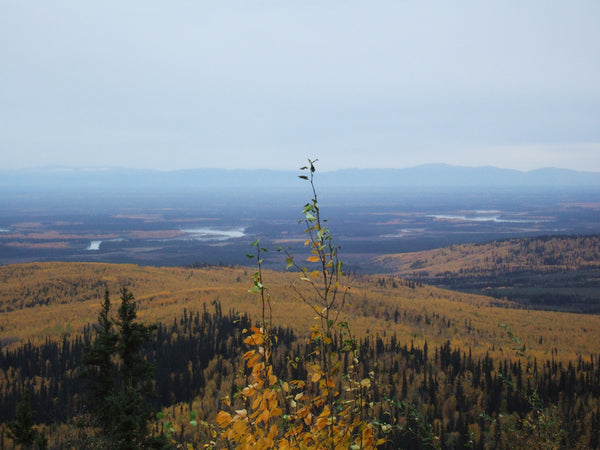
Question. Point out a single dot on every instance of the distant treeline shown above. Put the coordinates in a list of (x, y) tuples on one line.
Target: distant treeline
[(202, 264)]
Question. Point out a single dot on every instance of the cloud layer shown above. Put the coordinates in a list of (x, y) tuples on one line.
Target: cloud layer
[(266, 84)]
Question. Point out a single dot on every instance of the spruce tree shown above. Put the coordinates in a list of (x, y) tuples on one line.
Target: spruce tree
[(136, 375), (21, 429), (101, 370), (120, 379)]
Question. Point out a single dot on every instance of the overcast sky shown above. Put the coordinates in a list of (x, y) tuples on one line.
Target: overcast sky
[(267, 84)]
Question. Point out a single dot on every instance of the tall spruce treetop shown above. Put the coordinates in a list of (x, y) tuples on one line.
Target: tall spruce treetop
[(132, 335), (101, 369)]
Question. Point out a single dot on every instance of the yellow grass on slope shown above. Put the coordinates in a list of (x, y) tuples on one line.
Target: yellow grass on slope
[(539, 254), (50, 299)]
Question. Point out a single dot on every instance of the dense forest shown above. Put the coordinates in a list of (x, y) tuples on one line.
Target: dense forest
[(443, 371), (436, 392)]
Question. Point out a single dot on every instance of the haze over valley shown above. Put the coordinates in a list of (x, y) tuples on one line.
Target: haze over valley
[(76, 216)]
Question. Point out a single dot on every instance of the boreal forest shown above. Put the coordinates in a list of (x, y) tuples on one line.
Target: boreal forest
[(117, 356)]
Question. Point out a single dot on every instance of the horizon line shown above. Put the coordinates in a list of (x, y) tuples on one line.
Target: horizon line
[(154, 169)]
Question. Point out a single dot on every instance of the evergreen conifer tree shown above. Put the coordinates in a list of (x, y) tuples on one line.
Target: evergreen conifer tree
[(101, 370), (120, 379), (136, 376), (21, 429)]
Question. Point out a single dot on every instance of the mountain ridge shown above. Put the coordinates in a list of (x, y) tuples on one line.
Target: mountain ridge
[(423, 176)]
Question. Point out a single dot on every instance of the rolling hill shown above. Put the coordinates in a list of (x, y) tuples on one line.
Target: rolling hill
[(40, 300), (551, 272)]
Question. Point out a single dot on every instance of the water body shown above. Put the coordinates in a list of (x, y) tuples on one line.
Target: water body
[(94, 246), (215, 234), (402, 233), (483, 218)]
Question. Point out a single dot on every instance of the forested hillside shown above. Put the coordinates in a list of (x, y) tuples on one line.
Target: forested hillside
[(441, 392), (551, 272), (449, 372), (41, 300)]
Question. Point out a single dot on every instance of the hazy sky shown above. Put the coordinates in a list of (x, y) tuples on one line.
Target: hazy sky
[(251, 84)]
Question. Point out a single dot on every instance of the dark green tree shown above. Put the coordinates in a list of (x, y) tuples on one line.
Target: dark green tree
[(136, 377), (120, 378), (101, 370), (21, 429)]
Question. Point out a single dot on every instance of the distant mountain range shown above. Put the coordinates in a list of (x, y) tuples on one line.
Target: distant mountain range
[(424, 176)]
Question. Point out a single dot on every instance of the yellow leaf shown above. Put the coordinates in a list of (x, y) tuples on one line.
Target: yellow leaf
[(313, 259), (326, 412), (315, 274), (321, 423), (257, 369), (223, 419), (264, 417), (254, 360), (255, 339), (248, 391)]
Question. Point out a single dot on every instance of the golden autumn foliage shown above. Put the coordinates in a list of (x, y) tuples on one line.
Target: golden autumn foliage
[(40, 300), (329, 409), (261, 425)]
